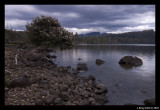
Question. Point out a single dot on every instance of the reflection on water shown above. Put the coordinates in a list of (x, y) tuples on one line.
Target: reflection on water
[(130, 80), (126, 66)]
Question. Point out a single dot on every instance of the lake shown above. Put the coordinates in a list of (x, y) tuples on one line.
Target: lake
[(125, 84)]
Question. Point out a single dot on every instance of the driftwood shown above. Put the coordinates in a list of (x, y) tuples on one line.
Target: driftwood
[(16, 58), (47, 58)]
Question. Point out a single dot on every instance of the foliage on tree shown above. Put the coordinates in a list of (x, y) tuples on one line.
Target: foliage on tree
[(46, 30)]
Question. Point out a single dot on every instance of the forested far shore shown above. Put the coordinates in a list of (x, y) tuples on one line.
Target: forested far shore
[(137, 37), (16, 37)]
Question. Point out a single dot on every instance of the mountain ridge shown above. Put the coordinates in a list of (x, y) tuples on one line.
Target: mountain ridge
[(92, 34)]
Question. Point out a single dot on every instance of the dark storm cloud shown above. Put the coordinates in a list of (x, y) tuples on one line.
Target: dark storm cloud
[(86, 18)]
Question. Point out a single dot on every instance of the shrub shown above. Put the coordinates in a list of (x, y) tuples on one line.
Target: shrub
[(46, 30)]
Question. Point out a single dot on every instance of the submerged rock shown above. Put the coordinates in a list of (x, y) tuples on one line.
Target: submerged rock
[(129, 60), (149, 102), (99, 61), (82, 66), (79, 59)]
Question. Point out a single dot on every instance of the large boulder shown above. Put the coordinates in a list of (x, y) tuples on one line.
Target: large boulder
[(64, 87), (91, 100), (129, 60), (19, 82), (49, 99), (39, 102), (64, 69), (90, 77), (35, 79), (82, 66), (85, 93), (101, 99), (99, 61), (126, 67), (149, 102), (84, 102), (64, 97), (101, 88), (58, 101)]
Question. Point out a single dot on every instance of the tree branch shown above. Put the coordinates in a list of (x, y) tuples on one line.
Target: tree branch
[(16, 58)]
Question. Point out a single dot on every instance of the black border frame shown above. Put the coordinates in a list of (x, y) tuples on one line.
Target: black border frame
[(80, 2)]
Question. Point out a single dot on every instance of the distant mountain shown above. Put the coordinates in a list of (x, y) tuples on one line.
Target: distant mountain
[(92, 34), (104, 34)]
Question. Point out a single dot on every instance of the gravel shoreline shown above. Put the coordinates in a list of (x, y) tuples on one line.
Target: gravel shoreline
[(36, 80)]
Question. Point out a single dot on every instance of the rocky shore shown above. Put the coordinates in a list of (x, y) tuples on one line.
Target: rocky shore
[(31, 78)]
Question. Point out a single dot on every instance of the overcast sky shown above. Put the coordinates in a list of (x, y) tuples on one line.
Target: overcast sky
[(85, 18)]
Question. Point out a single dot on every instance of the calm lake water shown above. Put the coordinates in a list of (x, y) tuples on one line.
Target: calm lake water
[(125, 84)]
